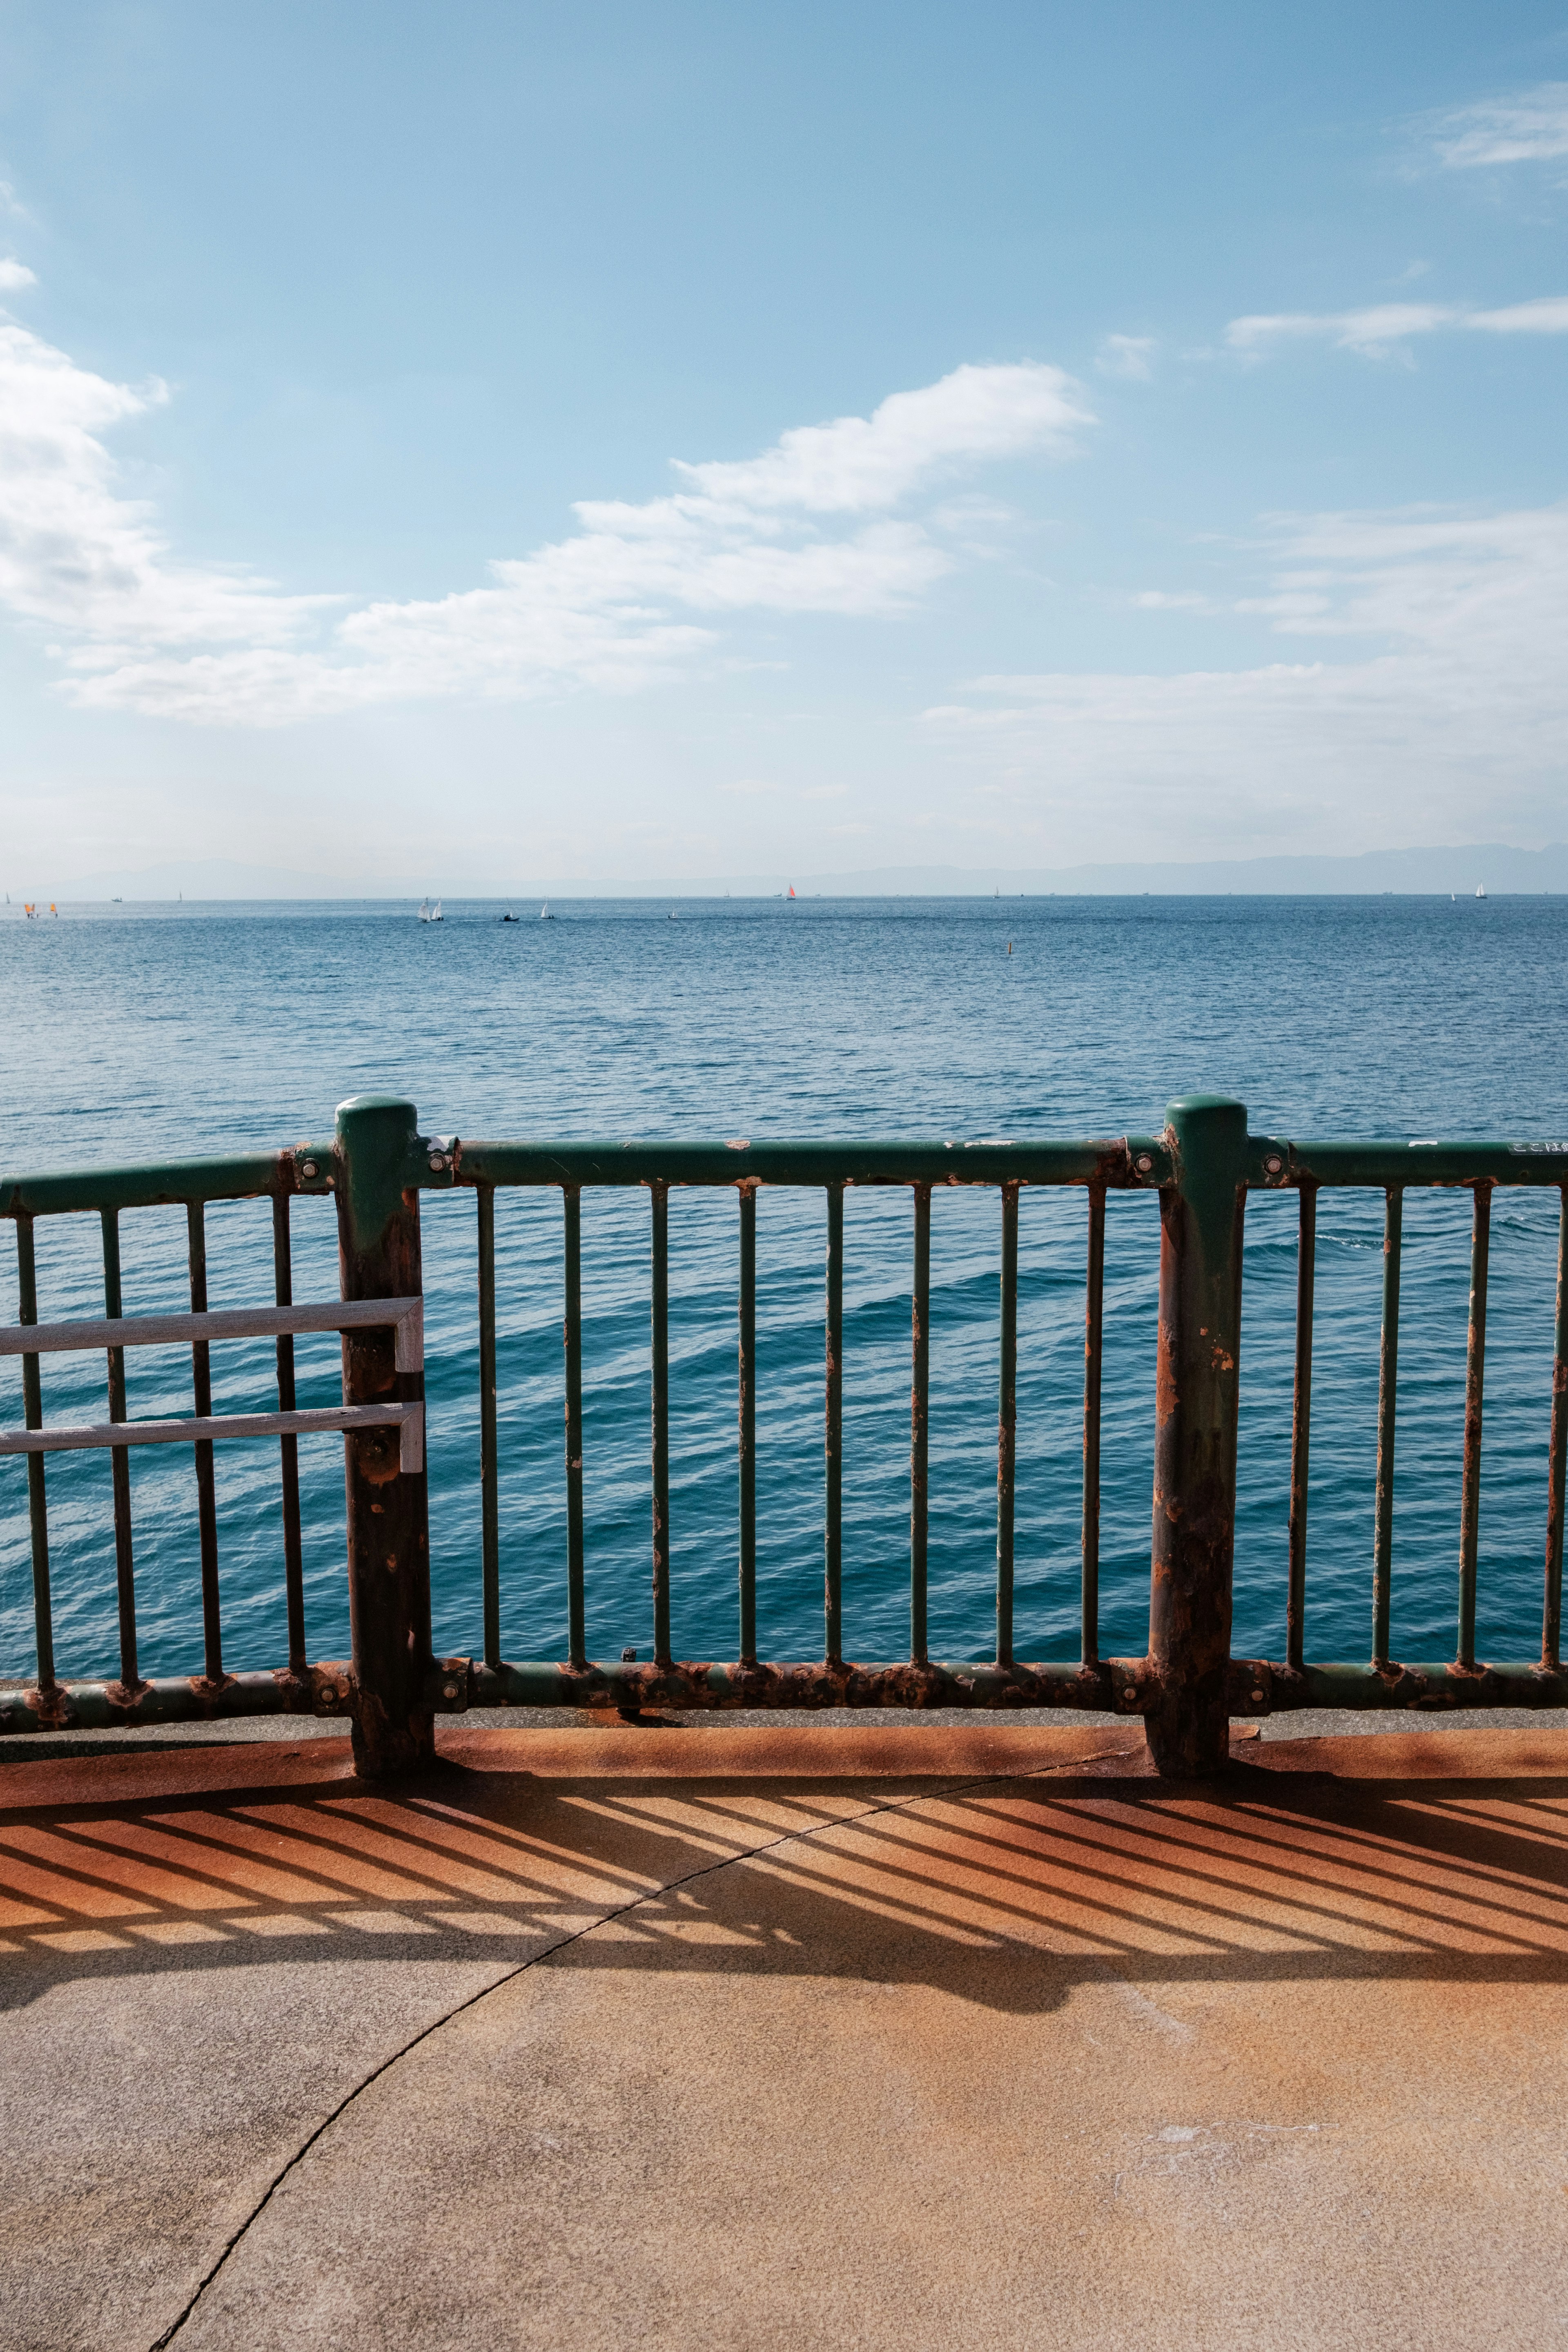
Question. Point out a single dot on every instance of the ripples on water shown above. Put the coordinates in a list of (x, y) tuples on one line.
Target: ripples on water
[(136, 1032)]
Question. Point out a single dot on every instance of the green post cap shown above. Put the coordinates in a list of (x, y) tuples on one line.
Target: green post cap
[(377, 1142), (1187, 1107)]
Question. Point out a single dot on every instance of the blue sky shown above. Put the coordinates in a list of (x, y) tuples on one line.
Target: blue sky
[(514, 441)]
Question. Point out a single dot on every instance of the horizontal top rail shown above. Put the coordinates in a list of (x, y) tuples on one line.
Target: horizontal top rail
[(1130, 1162), (1124, 1160), (159, 1184), (1423, 1161), (405, 1316), (1134, 1162)]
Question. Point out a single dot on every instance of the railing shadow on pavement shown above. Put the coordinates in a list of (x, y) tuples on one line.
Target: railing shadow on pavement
[(1007, 1891)]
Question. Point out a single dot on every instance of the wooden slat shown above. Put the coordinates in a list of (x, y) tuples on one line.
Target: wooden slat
[(405, 1316), (409, 1418)]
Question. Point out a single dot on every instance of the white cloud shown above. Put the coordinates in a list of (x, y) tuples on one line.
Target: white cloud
[(1386, 326), (13, 276), (1548, 315), (812, 525), (1531, 127), (74, 554), (859, 465), (1126, 355), (1455, 704)]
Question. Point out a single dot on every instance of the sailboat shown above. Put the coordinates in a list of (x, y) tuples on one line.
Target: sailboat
[(424, 910), (791, 889), (435, 912), (1480, 889), (545, 914)]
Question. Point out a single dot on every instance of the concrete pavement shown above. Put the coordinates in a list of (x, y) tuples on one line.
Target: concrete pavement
[(842, 2036)]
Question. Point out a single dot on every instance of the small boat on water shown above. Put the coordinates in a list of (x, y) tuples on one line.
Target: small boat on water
[(510, 918), (545, 914), (1480, 889), (428, 913)]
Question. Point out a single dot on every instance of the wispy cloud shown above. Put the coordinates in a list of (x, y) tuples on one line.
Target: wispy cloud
[(1386, 327), (1127, 355), (1454, 698), (1530, 127), (13, 276), (828, 521)]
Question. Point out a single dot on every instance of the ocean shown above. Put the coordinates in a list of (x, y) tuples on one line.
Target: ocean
[(136, 1032)]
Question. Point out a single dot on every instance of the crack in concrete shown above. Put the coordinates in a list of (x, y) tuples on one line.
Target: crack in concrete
[(562, 1943)]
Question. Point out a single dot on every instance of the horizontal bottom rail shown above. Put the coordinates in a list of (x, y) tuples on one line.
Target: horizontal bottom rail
[(1368, 1689), (1113, 1685), (326, 1689), (1119, 1683)]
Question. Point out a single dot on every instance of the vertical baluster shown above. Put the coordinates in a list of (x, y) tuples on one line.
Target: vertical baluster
[(1093, 1339), (661, 1653), (288, 1447), (920, 1421), (489, 1477), (1552, 1610), (1387, 1385), (206, 1498), (577, 1626), (748, 1424), (833, 1443), (1474, 1373), (33, 1416), (125, 1570), (1007, 1425), (1301, 1428)]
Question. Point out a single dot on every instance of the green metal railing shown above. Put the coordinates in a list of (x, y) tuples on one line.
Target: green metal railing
[(1187, 1687)]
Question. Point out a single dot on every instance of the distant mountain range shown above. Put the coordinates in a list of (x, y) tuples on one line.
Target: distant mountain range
[(1493, 865)]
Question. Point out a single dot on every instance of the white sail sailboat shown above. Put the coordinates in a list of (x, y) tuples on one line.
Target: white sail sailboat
[(1480, 889), (545, 914)]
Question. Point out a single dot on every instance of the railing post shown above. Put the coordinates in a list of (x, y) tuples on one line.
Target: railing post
[(389, 1546), (1194, 1438)]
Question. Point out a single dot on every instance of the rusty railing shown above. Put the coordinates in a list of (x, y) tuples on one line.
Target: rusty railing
[(1187, 1687)]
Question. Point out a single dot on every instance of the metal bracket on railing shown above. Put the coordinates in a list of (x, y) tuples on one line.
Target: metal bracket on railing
[(403, 1316)]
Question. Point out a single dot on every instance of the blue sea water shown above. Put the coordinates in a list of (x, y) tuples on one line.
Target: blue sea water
[(139, 1032)]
